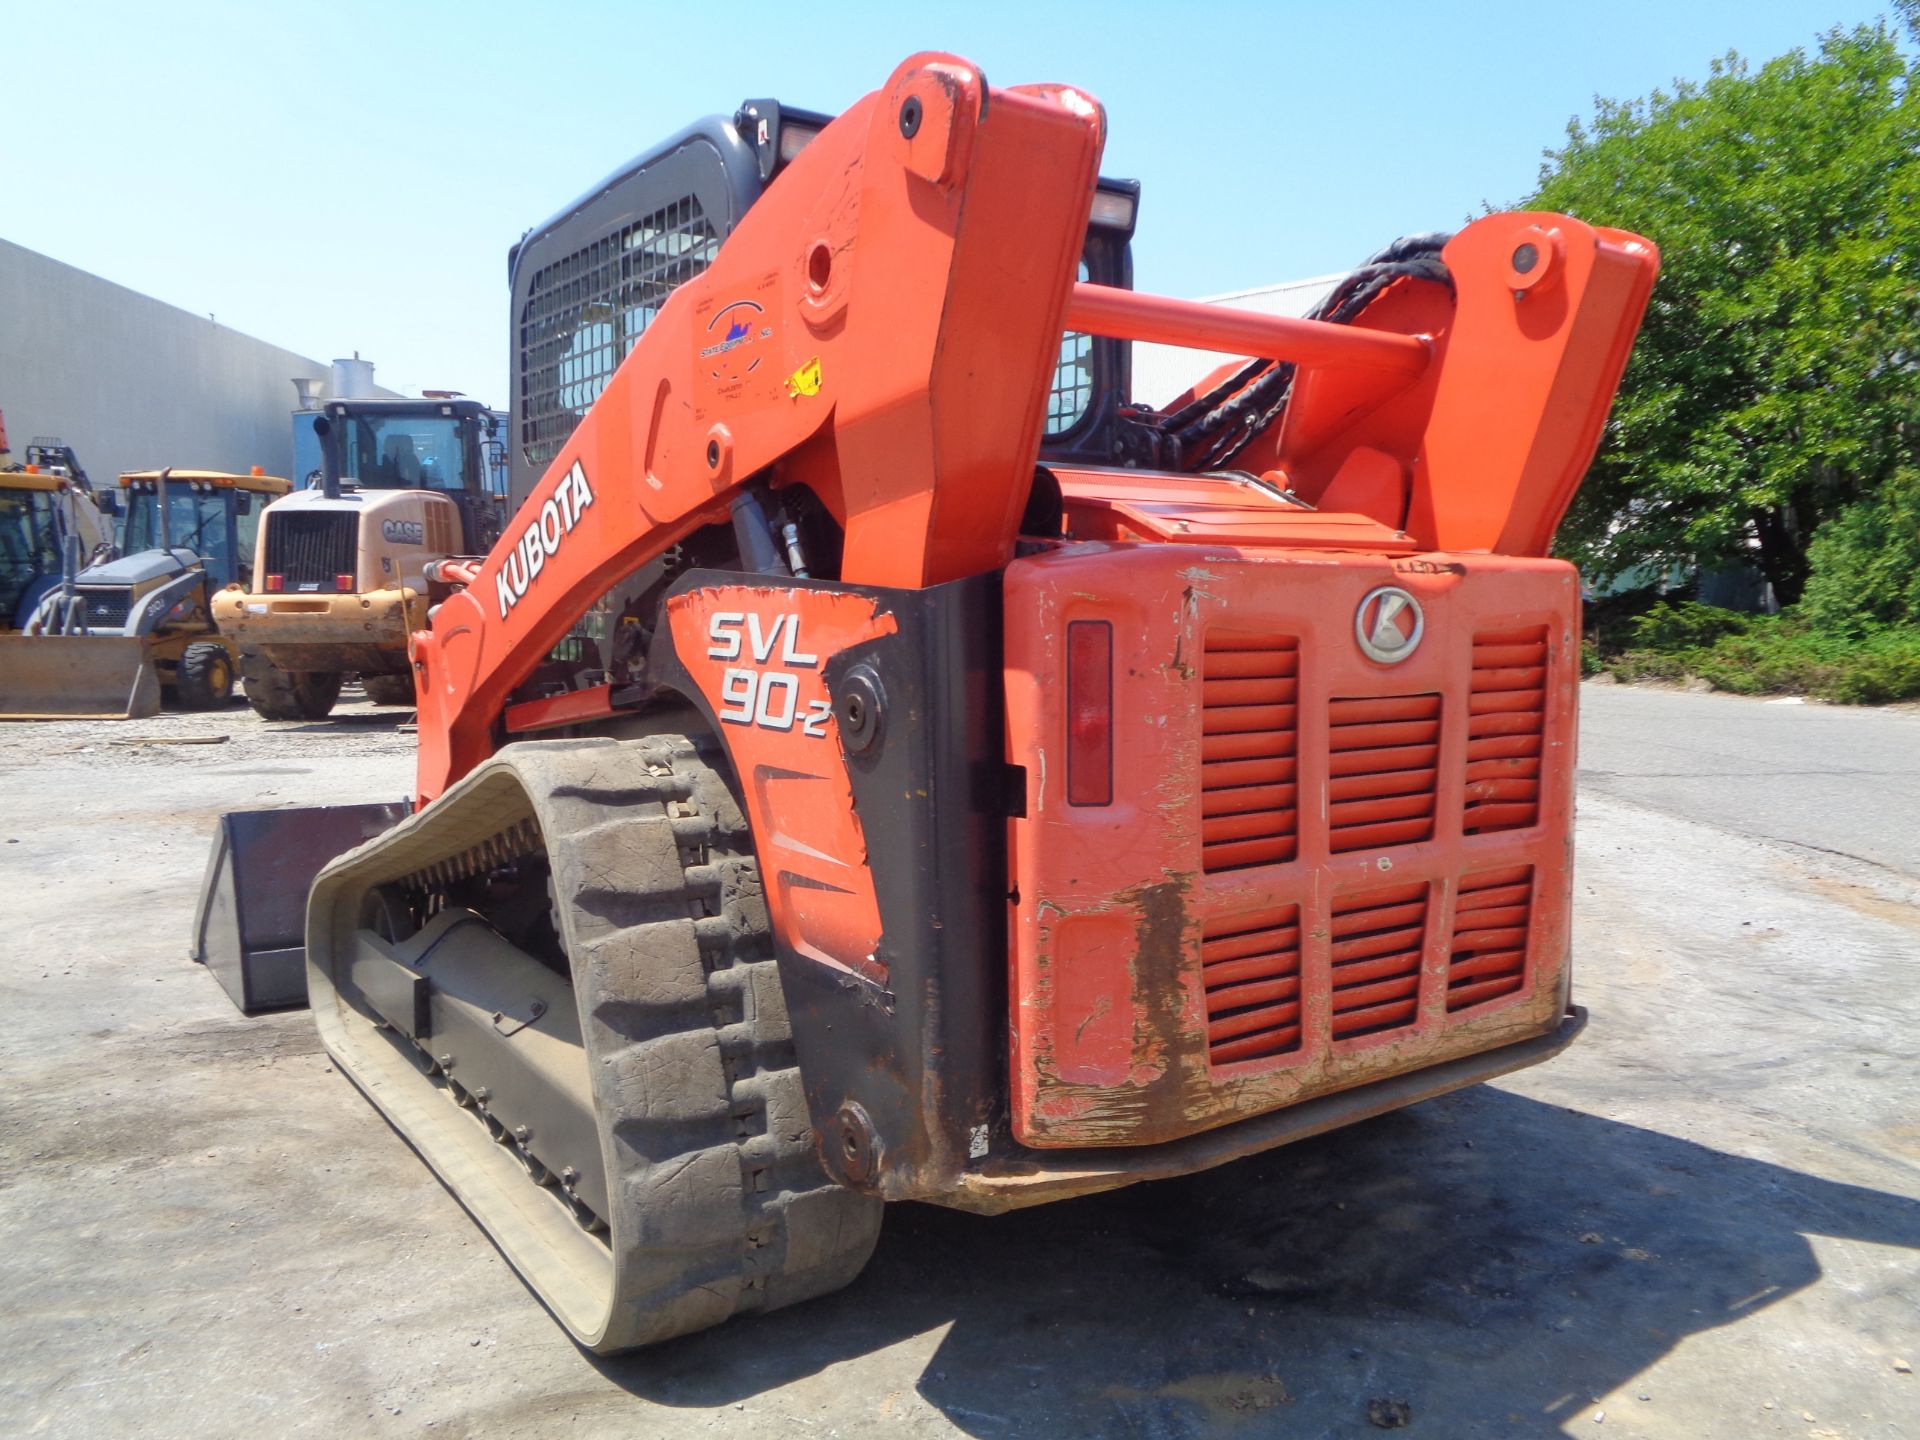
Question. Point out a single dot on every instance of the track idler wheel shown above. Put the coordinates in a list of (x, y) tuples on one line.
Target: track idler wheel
[(636, 1139)]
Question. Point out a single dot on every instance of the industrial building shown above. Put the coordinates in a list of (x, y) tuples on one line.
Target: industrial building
[(133, 383)]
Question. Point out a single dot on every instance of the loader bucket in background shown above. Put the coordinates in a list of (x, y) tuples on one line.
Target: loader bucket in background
[(250, 926), (77, 677)]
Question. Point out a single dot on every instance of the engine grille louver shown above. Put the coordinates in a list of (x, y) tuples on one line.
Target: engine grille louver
[(107, 609), (1505, 728), (311, 549), (1488, 954), (440, 531), (1249, 780), (1251, 969), (1383, 754), (1378, 937)]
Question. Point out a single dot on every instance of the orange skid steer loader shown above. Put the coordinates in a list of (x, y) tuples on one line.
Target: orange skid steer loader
[(970, 810)]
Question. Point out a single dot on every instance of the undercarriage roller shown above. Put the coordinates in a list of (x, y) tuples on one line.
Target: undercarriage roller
[(558, 983)]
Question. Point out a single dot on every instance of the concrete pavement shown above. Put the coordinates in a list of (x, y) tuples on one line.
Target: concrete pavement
[(1702, 1221), (1839, 778)]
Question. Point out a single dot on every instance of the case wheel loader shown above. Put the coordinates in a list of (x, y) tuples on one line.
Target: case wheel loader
[(1002, 792), (339, 582), (118, 637)]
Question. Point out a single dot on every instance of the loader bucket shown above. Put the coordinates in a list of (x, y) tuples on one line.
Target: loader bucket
[(250, 926), (77, 677)]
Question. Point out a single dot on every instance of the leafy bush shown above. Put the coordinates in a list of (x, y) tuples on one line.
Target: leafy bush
[(1648, 665), (1865, 562), (1685, 626), (1772, 655), (1884, 667), (1770, 659)]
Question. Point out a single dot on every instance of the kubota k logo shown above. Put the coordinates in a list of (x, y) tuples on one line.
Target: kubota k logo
[(1388, 624)]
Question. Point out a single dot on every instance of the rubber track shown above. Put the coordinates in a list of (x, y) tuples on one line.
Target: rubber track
[(719, 1202)]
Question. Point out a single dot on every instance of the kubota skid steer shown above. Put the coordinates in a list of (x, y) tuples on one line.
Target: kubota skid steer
[(972, 829)]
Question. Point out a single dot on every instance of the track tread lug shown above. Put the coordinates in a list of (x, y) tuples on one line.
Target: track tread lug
[(719, 1202)]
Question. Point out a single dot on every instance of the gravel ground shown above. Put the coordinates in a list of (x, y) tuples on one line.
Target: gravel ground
[(1703, 1220)]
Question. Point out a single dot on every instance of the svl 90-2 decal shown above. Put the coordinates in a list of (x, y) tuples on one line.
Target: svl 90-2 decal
[(758, 654), (750, 695)]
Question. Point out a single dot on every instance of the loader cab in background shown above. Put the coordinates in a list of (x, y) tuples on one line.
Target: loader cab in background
[(447, 446), (51, 520), (217, 517), (45, 521), (30, 544)]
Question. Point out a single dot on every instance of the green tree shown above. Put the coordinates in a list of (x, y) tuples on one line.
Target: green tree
[(1866, 562), (1775, 382)]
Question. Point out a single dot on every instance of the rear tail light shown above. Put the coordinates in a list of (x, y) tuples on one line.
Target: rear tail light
[(276, 583), (343, 583), (1090, 712)]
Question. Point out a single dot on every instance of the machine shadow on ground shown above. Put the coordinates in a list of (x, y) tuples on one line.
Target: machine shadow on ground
[(1492, 1260)]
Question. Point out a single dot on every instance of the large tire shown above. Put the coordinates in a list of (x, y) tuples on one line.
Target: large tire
[(277, 694), (204, 679), (715, 1198), (389, 689)]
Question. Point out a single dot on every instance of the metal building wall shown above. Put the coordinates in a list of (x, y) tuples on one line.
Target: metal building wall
[(132, 383)]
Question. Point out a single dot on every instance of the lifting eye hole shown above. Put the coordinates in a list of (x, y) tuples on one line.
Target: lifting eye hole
[(819, 267), (910, 117)]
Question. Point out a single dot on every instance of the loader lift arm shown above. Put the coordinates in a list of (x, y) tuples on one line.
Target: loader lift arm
[(880, 328)]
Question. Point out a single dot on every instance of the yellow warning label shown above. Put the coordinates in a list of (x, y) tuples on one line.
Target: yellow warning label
[(805, 380)]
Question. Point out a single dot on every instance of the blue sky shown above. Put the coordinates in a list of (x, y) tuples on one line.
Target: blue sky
[(343, 176)]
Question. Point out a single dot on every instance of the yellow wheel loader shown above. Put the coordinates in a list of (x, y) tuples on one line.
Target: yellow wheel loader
[(340, 578), (115, 638)]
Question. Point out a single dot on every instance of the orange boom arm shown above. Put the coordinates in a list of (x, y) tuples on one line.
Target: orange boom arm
[(881, 326)]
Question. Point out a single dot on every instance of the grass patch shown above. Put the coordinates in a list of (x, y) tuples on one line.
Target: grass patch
[(1761, 654)]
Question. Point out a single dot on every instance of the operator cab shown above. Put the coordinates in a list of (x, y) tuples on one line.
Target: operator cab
[(38, 521), (49, 514), (586, 284), (440, 444), (212, 514)]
